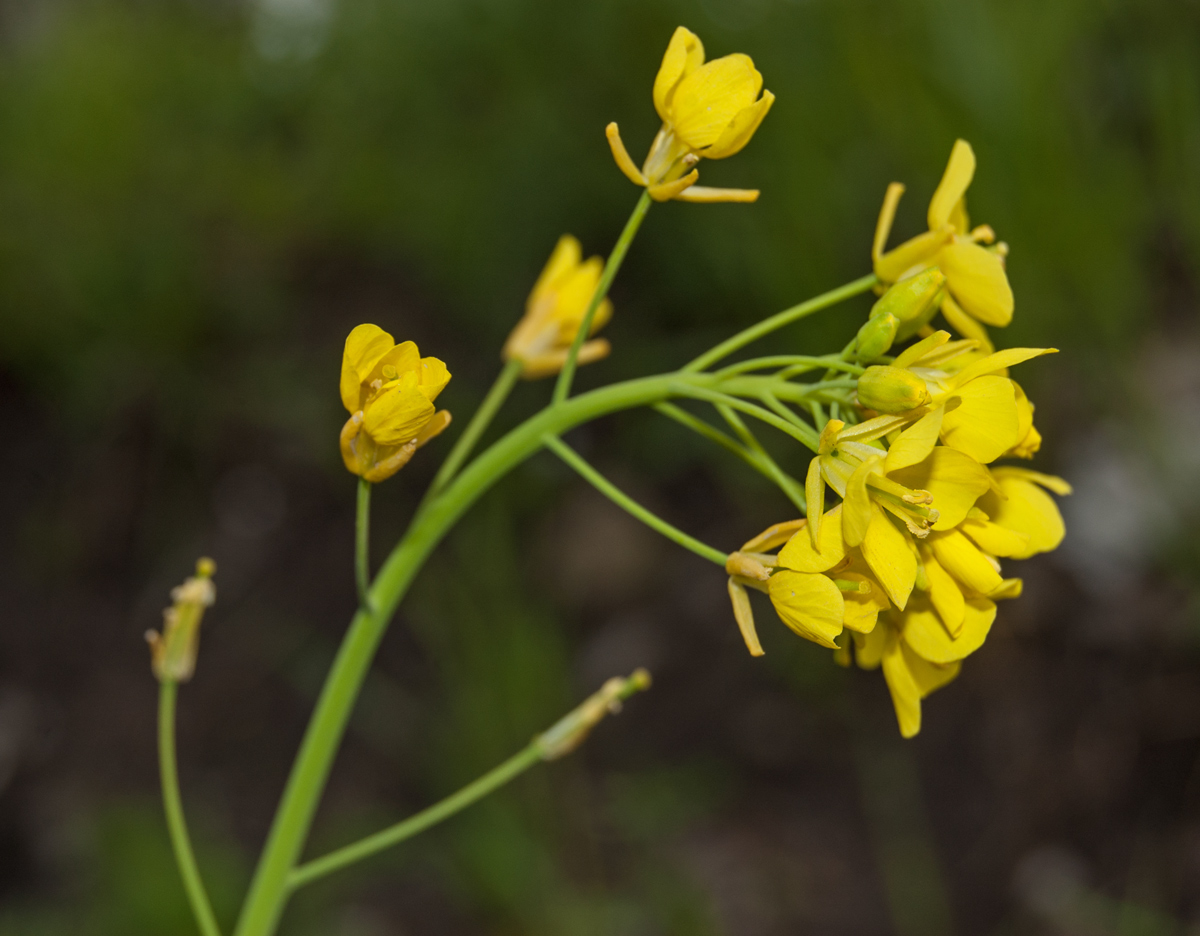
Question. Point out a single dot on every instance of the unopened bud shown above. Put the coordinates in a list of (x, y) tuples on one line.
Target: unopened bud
[(571, 730), (912, 301), (173, 652), (876, 336), (891, 389)]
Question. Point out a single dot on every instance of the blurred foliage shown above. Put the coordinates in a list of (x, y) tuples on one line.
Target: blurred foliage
[(197, 200)]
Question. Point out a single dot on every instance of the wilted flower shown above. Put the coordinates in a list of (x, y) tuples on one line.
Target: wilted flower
[(708, 109), (554, 313), (173, 652), (389, 390)]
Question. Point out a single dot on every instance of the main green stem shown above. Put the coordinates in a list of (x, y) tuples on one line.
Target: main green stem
[(495, 398), (362, 543), (394, 835), (562, 389), (775, 322), (628, 504), (173, 806)]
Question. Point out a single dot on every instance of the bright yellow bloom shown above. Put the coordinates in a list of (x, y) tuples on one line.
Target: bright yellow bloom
[(978, 409), (978, 290), (554, 313), (708, 109), (815, 605), (888, 496), (389, 390), (1018, 504)]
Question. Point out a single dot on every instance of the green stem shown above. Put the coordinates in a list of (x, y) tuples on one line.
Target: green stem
[(293, 817), (394, 835), (495, 398), (775, 322), (176, 823), (562, 388), (792, 488), (803, 434), (362, 543), (629, 505), (799, 364)]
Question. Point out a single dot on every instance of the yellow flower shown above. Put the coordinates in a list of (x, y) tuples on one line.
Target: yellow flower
[(389, 390), (888, 497), (1018, 504), (708, 109), (978, 290), (814, 605), (977, 409), (554, 313)]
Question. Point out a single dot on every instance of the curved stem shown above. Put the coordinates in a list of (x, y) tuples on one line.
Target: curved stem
[(562, 388), (394, 835), (629, 505), (795, 364), (293, 817), (779, 320), (491, 404), (362, 543), (173, 806), (800, 433), (792, 489)]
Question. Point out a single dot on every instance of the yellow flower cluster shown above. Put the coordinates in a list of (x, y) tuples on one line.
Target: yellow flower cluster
[(709, 110), (908, 562), (389, 390)]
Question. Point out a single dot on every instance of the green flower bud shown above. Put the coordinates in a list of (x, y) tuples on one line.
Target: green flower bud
[(876, 336), (891, 389), (913, 301)]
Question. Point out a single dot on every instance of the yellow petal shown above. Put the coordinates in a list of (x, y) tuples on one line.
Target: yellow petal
[(811, 605), (685, 53), (986, 423), (915, 443), (887, 214), (365, 346), (966, 326), (856, 508), (923, 631), (927, 345), (950, 191), (913, 252), (565, 258), (1028, 510), (744, 616), (890, 557), (574, 293), (997, 362), (621, 155), (962, 559), (743, 126), (929, 676), (906, 694), (397, 416), (978, 282), (995, 539), (800, 555), (944, 593), (814, 495), (707, 99), (434, 376), (551, 362), (955, 480), (862, 608), (1052, 482), (704, 195), (869, 648)]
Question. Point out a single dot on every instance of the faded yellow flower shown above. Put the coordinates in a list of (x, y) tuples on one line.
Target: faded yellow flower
[(389, 390), (708, 109), (173, 652), (978, 292), (554, 313)]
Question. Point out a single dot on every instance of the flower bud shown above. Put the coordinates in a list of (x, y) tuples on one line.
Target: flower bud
[(173, 652), (876, 336), (912, 301), (891, 389)]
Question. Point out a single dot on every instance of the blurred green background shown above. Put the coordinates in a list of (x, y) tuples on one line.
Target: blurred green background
[(198, 201)]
